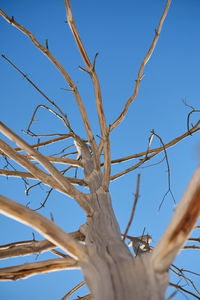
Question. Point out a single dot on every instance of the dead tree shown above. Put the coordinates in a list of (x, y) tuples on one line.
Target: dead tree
[(97, 248)]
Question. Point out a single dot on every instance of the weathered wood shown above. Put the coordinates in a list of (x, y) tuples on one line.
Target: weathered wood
[(183, 221), (111, 271)]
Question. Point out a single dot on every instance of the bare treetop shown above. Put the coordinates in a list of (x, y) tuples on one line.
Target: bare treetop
[(81, 170)]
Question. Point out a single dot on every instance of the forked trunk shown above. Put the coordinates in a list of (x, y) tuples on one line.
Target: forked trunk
[(111, 272)]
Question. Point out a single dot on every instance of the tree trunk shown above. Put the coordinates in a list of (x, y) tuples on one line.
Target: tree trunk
[(111, 271)]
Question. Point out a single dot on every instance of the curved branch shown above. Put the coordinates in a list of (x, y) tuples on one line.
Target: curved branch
[(188, 118), (46, 228), (64, 119), (31, 269), (77, 287), (140, 73)]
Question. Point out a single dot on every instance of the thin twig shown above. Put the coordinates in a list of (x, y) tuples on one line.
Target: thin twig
[(168, 172), (188, 119), (192, 247), (77, 287), (153, 153), (189, 271), (45, 200), (184, 290), (87, 297), (194, 239), (66, 123), (133, 209), (172, 143), (31, 187), (181, 274), (182, 223), (30, 133), (65, 119)]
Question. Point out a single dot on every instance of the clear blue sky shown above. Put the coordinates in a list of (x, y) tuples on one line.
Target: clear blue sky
[(121, 33)]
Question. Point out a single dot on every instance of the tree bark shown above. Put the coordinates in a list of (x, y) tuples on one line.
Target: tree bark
[(111, 272)]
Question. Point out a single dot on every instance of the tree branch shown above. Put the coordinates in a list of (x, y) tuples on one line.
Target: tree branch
[(180, 273), (31, 247), (77, 287), (178, 287), (98, 98), (25, 248), (89, 67), (49, 142), (192, 247), (46, 228), (56, 175), (59, 67), (153, 153), (87, 297), (64, 118), (36, 172), (168, 171), (8, 173), (140, 73), (31, 269), (194, 129), (133, 209), (61, 160)]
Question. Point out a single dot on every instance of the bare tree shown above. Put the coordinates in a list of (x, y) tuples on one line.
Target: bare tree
[(98, 248)]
